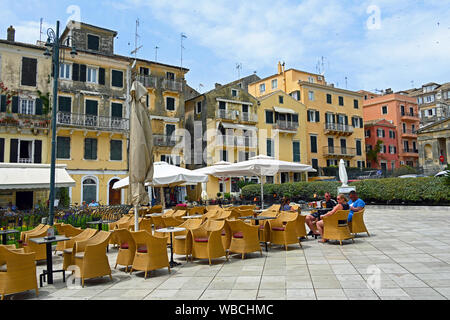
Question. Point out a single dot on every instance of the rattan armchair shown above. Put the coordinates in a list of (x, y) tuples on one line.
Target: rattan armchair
[(40, 250), (24, 233), (244, 237), (146, 224), (221, 215), (335, 227), (151, 252), (20, 273), (206, 241), (155, 209), (196, 210), (68, 252), (168, 213), (247, 207), (264, 227), (115, 225), (127, 248), (70, 231), (172, 221), (213, 207), (180, 244), (357, 224), (90, 256), (284, 230)]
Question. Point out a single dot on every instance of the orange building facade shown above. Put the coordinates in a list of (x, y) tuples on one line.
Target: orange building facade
[(402, 112)]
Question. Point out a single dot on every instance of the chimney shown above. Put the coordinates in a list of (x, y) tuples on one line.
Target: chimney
[(280, 70), (217, 85), (11, 34)]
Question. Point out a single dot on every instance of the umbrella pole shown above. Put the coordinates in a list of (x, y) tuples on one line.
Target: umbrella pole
[(163, 201), (262, 192), (136, 218)]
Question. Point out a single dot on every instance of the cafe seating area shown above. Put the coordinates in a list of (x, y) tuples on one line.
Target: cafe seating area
[(199, 234)]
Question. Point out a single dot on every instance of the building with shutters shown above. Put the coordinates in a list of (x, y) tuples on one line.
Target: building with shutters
[(166, 88), (222, 124), (384, 131), (334, 116), (24, 118), (402, 112), (282, 132), (93, 115)]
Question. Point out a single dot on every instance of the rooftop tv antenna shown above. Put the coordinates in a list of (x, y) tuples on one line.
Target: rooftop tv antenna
[(239, 68), (182, 37), (136, 38), (346, 83), (156, 53), (40, 29)]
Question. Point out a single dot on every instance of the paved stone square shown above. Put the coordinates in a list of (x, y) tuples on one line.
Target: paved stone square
[(407, 256)]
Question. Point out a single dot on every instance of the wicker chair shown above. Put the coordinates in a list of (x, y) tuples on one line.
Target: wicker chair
[(213, 207), (244, 237), (155, 209), (146, 224), (20, 273), (68, 252), (172, 221), (151, 252), (206, 241), (126, 218), (264, 227), (221, 215), (357, 224), (284, 230), (335, 227), (196, 210), (236, 213), (127, 248), (91, 258), (70, 231), (210, 214), (24, 233), (168, 213), (40, 250), (179, 213), (247, 207), (180, 245), (274, 207)]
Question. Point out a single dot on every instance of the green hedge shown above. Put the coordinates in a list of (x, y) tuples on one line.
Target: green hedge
[(427, 190)]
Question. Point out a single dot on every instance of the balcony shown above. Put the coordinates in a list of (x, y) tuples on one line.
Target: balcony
[(19, 120), (147, 81), (248, 117), (246, 142), (25, 160), (338, 129), (408, 116), (162, 140), (226, 114), (330, 151), (172, 85), (286, 125), (91, 122), (225, 140), (410, 153), (409, 134)]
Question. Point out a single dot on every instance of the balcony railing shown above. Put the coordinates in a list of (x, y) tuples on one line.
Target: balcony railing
[(173, 85), (409, 132), (409, 114), (339, 151), (338, 127), (286, 125), (225, 140), (410, 150), (162, 140), (92, 121), (249, 117), (24, 121), (226, 114), (25, 160), (147, 81), (246, 141)]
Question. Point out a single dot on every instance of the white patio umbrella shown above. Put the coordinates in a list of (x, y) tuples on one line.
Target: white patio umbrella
[(167, 175), (210, 171), (343, 173), (261, 166)]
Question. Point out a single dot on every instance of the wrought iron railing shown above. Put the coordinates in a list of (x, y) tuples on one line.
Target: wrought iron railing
[(286, 125), (172, 85), (92, 121), (339, 151), (147, 81), (339, 127)]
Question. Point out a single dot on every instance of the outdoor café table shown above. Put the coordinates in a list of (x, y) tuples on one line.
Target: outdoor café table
[(154, 215), (171, 230), (257, 219), (192, 217), (100, 223), (5, 233), (258, 211), (49, 272)]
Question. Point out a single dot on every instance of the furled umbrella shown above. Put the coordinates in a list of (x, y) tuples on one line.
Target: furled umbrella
[(343, 173), (141, 149)]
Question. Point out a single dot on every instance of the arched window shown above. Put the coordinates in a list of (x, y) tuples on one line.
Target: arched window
[(428, 150), (89, 190)]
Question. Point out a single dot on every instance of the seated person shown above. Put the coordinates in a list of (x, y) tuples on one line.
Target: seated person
[(342, 205), (356, 204), (285, 205), (314, 217)]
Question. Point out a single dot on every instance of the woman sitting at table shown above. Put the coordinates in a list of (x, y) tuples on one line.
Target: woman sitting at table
[(285, 205), (342, 205)]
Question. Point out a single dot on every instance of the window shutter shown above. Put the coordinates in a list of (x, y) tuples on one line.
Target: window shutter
[(38, 107), (241, 156), (64, 104), (317, 116), (116, 150), (15, 104), (2, 149), (308, 116), (94, 148), (83, 72), (76, 72), (92, 107), (116, 110), (346, 120), (117, 78), (13, 151), (3, 103), (358, 147), (384, 133), (361, 123), (101, 76), (37, 151), (29, 68)]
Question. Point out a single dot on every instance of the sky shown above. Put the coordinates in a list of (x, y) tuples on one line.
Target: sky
[(358, 45)]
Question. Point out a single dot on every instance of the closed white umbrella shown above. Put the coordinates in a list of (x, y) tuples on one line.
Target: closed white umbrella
[(260, 166), (210, 171), (343, 173)]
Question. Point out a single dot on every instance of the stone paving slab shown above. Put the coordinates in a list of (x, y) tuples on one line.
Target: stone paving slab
[(407, 256)]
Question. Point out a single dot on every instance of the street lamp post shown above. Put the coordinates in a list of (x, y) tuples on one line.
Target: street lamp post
[(53, 42)]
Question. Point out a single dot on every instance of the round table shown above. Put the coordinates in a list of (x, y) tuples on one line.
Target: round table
[(154, 215), (197, 216), (171, 230)]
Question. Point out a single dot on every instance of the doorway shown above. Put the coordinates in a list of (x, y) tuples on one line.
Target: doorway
[(24, 200), (114, 194)]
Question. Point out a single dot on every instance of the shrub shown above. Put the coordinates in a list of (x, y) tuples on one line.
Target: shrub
[(427, 190)]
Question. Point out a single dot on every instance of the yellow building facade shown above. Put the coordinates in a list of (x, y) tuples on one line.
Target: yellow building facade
[(334, 116)]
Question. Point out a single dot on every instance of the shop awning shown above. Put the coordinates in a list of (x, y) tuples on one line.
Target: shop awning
[(20, 176), (283, 110), (227, 125)]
